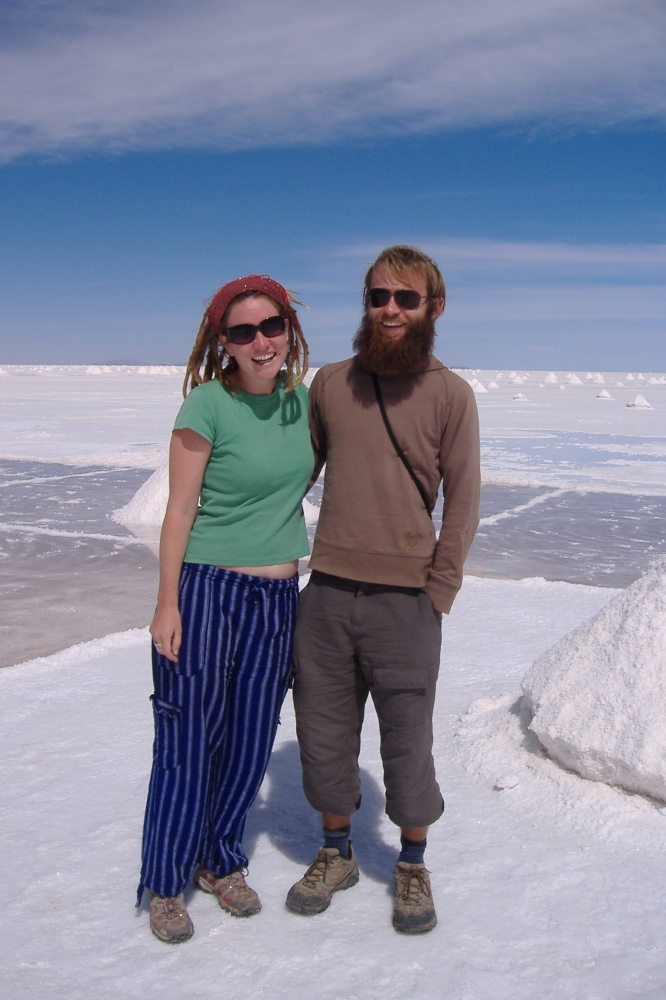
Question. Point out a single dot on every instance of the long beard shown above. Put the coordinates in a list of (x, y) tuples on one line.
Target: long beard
[(388, 356)]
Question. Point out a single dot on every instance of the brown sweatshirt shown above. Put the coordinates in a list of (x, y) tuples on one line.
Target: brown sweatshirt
[(373, 526)]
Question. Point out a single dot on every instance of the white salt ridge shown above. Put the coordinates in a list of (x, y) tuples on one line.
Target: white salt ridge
[(126, 370), (507, 781), (640, 403), (597, 699)]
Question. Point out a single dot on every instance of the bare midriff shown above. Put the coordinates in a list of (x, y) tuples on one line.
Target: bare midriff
[(280, 571)]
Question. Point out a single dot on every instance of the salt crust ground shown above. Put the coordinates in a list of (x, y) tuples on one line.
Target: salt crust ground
[(550, 889)]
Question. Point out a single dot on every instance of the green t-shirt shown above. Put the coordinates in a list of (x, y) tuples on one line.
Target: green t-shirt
[(256, 476)]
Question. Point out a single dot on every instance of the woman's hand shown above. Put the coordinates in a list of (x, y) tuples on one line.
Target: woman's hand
[(166, 630), (187, 462)]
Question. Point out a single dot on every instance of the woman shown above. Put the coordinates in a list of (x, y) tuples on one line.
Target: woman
[(226, 606)]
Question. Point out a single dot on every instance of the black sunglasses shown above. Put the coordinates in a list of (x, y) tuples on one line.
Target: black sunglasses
[(404, 298), (244, 333)]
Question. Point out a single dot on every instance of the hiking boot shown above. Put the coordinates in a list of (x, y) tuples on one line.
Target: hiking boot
[(169, 920), (414, 912), (328, 873), (233, 893)]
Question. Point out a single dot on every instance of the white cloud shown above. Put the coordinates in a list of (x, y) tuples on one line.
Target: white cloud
[(492, 280), (228, 75), (491, 254), (625, 304)]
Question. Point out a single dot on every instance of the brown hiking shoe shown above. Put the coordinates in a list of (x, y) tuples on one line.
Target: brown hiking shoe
[(169, 920), (328, 873), (414, 912), (233, 893)]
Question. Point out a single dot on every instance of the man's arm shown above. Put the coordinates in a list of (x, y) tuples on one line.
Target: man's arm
[(459, 459), (317, 430)]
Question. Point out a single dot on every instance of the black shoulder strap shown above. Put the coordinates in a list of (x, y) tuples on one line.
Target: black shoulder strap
[(401, 455)]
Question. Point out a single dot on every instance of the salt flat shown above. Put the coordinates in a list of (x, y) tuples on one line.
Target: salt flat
[(549, 888), (564, 437)]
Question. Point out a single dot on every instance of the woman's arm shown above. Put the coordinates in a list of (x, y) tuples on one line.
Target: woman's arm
[(188, 456)]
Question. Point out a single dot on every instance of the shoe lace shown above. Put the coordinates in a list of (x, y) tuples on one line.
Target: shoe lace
[(173, 907), (317, 871), (237, 878), (414, 885)]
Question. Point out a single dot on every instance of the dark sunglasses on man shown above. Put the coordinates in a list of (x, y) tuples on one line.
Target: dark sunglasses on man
[(244, 333), (404, 298)]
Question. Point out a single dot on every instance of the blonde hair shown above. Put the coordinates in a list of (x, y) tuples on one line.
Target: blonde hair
[(401, 260), (207, 357)]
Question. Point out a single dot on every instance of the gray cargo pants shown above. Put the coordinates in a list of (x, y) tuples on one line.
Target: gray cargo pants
[(353, 639)]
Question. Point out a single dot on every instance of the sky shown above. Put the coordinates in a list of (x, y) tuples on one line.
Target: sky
[(149, 152)]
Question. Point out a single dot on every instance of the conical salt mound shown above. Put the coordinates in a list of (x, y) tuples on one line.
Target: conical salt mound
[(597, 699), (640, 403), (551, 379), (147, 506), (604, 394)]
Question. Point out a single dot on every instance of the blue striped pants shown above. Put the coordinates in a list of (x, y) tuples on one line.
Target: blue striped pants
[(216, 714)]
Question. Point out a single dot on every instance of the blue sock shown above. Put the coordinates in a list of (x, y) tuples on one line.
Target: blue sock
[(412, 851), (338, 838)]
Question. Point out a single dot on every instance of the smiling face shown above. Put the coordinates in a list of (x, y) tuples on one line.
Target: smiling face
[(260, 361), (392, 340), (391, 320)]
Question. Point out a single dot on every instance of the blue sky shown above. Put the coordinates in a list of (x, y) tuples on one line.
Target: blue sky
[(150, 152)]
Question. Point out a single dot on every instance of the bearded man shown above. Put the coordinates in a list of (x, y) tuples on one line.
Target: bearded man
[(391, 424)]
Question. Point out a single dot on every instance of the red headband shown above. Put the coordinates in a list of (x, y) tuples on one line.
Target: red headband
[(252, 283)]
